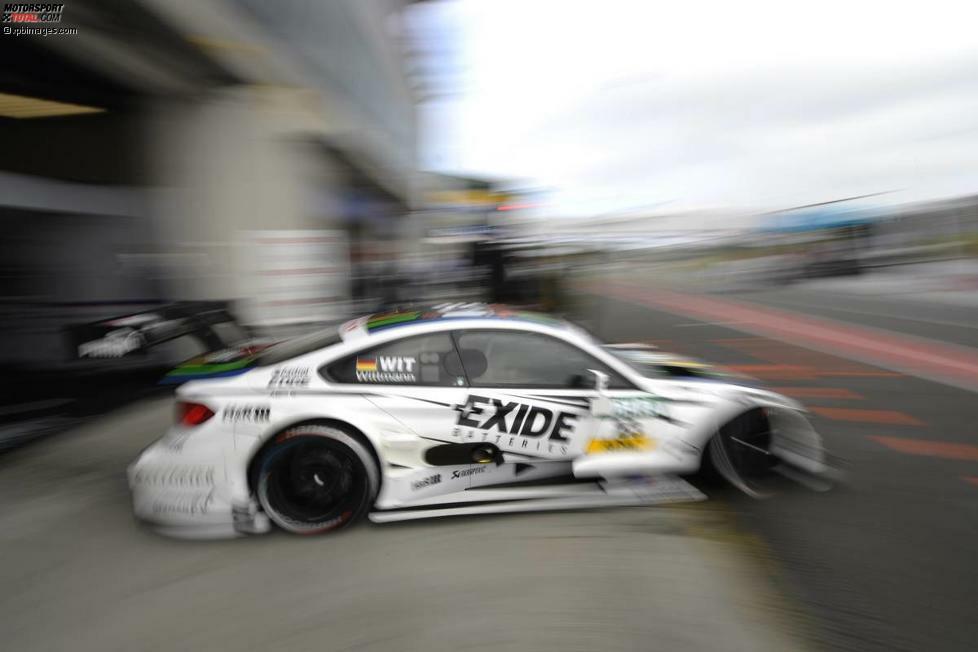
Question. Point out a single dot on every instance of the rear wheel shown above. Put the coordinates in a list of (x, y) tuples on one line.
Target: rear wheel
[(740, 453), (316, 479)]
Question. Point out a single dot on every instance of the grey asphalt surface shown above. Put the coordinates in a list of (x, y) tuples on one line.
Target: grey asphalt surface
[(77, 573), (887, 560), (954, 324)]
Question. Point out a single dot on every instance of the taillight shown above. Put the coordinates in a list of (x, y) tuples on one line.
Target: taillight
[(193, 414)]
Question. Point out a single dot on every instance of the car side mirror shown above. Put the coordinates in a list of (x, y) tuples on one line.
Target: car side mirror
[(599, 380)]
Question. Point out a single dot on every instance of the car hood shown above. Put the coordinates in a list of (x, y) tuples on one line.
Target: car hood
[(716, 390), (653, 363)]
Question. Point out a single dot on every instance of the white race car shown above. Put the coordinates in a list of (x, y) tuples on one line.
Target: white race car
[(460, 409)]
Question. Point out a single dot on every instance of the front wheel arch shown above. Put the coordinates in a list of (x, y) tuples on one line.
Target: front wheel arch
[(753, 429)]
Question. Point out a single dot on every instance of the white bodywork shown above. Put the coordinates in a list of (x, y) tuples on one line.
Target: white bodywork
[(195, 481)]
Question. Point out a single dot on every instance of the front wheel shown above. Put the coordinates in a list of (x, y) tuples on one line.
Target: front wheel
[(316, 479), (740, 453)]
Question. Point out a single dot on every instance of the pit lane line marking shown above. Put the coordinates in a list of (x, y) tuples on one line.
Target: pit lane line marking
[(943, 449), (807, 364), (699, 324), (860, 374), (887, 417), (780, 352)]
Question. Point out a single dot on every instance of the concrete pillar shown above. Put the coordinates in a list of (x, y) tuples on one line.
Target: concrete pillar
[(232, 163)]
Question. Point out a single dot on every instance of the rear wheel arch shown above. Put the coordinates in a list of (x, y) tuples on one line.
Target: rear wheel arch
[(254, 464)]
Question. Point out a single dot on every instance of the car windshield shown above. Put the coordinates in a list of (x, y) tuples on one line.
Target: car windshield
[(646, 368), (292, 348), (656, 364)]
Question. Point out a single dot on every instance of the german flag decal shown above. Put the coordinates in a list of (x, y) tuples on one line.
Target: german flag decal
[(366, 364)]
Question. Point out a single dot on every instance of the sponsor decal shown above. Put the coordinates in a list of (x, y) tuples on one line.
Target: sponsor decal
[(190, 504), (639, 407), (175, 476), (514, 425), (289, 377), (115, 344), (431, 480), (386, 369), (246, 413), (464, 473), (629, 443), (628, 414)]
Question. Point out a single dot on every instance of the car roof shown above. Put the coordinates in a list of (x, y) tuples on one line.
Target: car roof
[(382, 322)]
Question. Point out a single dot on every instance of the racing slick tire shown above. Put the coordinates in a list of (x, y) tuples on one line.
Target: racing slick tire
[(316, 479), (739, 453)]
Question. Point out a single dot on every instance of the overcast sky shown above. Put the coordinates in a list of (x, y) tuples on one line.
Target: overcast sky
[(616, 106)]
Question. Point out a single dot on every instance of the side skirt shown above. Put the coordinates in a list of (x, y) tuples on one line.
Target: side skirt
[(617, 493)]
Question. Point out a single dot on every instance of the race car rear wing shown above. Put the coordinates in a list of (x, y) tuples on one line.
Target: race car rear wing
[(134, 334)]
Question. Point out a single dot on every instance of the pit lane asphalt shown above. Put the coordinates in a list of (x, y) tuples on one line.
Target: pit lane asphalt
[(77, 573), (887, 560)]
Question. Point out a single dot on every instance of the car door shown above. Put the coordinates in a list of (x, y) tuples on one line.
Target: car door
[(418, 380), (530, 393)]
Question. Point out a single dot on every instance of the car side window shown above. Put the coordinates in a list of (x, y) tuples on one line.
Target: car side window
[(422, 360), (499, 358)]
